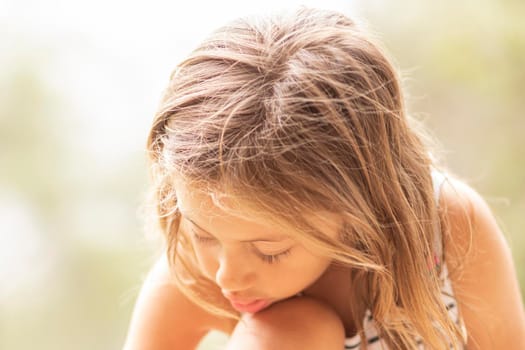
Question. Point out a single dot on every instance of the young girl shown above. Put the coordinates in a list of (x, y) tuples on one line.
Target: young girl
[(302, 210)]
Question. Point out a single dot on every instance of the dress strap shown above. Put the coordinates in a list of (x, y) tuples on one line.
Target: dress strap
[(438, 179)]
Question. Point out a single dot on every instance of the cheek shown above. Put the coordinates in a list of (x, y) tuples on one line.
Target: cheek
[(318, 268), (311, 269), (297, 274)]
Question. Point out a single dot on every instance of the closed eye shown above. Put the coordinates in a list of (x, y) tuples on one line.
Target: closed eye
[(274, 258), (265, 257), (202, 239)]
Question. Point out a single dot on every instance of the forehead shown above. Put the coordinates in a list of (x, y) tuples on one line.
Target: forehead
[(219, 213), (197, 201)]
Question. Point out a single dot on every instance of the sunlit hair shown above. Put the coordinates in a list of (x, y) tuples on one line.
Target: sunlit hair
[(300, 113)]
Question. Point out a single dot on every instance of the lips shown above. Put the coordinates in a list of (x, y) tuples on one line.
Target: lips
[(250, 306)]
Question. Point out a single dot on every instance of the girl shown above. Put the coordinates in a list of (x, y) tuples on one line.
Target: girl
[(302, 210)]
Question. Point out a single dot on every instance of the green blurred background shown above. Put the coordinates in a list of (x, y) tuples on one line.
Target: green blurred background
[(79, 83)]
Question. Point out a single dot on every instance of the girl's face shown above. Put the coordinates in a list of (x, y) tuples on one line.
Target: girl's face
[(254, 265)]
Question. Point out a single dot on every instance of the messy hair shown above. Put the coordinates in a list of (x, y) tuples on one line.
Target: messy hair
[(294, 113)]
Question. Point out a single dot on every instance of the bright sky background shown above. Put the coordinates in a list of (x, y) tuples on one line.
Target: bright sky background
[(110, 60)]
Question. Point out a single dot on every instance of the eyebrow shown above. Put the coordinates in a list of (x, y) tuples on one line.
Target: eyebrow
[(262, 239)]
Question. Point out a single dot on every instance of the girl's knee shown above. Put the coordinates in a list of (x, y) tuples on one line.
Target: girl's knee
[(297, 323)]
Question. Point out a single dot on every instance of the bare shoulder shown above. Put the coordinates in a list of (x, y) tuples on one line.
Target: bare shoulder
[(482, 271), (163, 318)]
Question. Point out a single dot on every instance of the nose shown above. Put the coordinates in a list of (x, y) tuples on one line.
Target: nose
[(234, 273)]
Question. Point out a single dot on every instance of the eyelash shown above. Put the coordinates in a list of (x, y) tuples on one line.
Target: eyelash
[(269, 259), (202, 239), (272, 259)]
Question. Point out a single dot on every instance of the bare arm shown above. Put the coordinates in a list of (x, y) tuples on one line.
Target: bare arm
[(163, 318), (485, 283)]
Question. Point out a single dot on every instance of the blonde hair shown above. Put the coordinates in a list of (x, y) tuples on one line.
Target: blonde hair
[(297, 113)]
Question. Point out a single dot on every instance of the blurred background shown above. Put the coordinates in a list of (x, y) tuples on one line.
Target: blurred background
[(80, 82)]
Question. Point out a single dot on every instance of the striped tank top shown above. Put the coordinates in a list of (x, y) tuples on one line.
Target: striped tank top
[(374, 341)]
